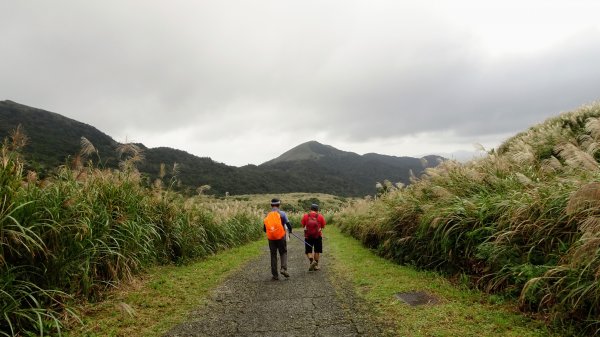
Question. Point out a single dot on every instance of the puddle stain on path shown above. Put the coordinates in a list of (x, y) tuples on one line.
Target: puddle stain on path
[(248, 303)]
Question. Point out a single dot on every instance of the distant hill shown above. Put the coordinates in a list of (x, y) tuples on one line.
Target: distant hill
[(308, 167), (354, 174)]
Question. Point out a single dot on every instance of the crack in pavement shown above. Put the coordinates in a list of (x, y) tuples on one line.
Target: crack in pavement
[(248, 303)]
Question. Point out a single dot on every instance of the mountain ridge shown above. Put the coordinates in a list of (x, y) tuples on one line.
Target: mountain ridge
[(307, 167)]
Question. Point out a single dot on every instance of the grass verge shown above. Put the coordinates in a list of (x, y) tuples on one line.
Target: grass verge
[(161, 298), (462, 312)]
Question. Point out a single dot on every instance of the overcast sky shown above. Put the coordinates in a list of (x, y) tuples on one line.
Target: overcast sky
[(244, 81)]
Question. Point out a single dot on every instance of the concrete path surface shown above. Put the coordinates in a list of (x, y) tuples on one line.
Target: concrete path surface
[(249, 303)]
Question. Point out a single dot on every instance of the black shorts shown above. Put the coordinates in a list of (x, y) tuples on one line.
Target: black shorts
[(316, 243)]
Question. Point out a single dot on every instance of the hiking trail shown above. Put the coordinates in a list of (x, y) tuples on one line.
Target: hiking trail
[(249, 303)]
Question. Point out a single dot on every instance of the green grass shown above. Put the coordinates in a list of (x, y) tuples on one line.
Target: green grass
[(290, 202), (462, 312), (161, 298)]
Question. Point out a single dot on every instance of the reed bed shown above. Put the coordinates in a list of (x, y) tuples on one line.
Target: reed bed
[(71, 236), (524, 221)]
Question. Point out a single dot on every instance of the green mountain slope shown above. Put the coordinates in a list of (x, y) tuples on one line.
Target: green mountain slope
[(52, 137)]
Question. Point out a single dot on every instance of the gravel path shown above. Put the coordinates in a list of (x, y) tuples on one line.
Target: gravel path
[(249, 304)]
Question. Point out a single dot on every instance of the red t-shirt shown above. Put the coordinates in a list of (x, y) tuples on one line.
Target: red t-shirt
[(320, 220)]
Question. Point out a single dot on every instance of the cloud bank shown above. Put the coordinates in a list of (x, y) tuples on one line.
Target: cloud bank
[(243, 82)]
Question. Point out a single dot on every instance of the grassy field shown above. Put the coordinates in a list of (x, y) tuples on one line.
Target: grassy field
[(462, 312), (290, 202), (161, 298)]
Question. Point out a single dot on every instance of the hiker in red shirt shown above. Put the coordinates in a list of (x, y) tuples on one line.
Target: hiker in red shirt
[(313, 224)]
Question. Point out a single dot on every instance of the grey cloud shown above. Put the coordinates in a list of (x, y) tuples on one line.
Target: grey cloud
[(360, 69), (471, 97)]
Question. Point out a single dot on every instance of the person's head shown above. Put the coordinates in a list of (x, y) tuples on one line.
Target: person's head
[(275, 202), (314, 207)]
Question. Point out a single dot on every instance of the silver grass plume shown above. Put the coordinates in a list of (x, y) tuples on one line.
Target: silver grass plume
[(589, 144), (412, 177), (202, 189), (575, 157), (87, 148), (441, 192), (551, 165), (593, 127), (479, 147), (586, 197), (524, 154), (131, 150), (162, 171), (18, 138), (523, 179), (590, 226)]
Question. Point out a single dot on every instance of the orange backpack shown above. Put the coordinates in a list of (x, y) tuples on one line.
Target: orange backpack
[(275, 230)]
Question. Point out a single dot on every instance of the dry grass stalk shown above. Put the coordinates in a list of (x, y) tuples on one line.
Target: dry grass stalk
[(441, 192), (162, 171), (585, 252), (593, 127), (479, 147), (523, 179), (31, 177), (158, 184), (133, 152), (586, 197), (87, 148), (524, 154), (576, 158), (126, 309), (550, 165), (590, 226), (18, 138), (589, 145), (413, 178), (77, 162)]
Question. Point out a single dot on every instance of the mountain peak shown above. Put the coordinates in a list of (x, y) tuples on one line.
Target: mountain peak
[(311, 150)]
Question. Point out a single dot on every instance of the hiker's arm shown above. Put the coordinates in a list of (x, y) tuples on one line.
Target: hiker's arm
[(285, 221)]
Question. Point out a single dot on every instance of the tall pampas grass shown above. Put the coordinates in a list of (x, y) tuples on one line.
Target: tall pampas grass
[(523, 221), (84, 229)]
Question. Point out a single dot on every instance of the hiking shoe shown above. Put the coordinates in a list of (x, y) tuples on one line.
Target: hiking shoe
[(312, 266), (274, 278), (317, 267), (284, 273)]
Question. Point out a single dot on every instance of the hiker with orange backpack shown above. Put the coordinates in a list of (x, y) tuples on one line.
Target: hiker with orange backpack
[(276, 234), (313, 224)]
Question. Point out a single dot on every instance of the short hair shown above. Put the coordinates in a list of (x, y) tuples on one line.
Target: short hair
[(275, 202), (314, 207)]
